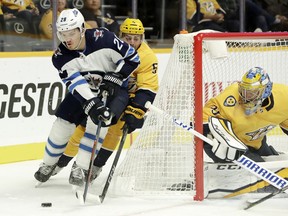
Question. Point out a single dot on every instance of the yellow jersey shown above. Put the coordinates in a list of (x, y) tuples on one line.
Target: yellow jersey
[(18, 4), (250, 129), (145, 77), (207, 7)]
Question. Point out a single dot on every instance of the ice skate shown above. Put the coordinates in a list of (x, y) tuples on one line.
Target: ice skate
[(77, 176), (56, 170), (95, 173), (44, 172)]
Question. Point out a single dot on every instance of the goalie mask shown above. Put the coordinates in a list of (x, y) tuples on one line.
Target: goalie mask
[(254, 88), (70, 27)]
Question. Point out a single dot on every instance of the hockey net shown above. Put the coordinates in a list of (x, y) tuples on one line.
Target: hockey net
[(166, 160)]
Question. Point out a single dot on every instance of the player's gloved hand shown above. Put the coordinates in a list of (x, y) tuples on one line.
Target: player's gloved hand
[(133, 116), (227, 152), (111, 82), (96, 110), (226, 145)]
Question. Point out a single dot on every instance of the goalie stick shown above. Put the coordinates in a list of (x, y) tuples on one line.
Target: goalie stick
[(269, 196), (243, 161)]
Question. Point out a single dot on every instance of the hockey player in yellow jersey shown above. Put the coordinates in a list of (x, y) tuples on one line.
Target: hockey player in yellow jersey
[(254, 106), (142, 84)]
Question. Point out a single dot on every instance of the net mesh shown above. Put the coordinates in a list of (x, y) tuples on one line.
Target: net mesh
[(161, 160)]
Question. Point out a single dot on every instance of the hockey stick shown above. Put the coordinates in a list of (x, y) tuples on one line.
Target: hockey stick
[(269, 196), (114, 164), (243, 161), (100, 198), (89, 172)]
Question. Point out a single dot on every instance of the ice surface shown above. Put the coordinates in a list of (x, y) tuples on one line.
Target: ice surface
[(18, 196)]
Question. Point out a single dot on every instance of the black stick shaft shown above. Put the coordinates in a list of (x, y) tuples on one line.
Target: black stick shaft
[(261, 200), (114, 164)]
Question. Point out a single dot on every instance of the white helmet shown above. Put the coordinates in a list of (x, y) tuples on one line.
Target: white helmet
[(69, 19)]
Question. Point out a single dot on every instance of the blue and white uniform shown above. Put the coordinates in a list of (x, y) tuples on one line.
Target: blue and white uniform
[(82, 73), (104, 52)]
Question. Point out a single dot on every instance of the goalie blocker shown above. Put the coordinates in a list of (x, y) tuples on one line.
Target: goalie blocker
[(226, 145)]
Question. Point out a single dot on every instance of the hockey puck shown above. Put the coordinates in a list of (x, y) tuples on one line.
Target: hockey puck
[(47, 204)]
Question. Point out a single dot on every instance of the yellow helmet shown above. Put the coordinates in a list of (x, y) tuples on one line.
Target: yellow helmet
[(132, 26)]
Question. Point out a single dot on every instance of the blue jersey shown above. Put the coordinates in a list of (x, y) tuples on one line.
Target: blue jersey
[(82, 71)]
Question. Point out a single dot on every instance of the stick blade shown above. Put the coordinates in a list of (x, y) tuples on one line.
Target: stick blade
[(91, 198), (80, 197), (248, 205)]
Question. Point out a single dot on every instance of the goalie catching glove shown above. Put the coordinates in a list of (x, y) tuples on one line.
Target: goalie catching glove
[(133, 116), (97, 111), (111, 83), (226, 145)]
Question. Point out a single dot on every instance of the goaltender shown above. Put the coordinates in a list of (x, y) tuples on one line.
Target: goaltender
[(254, 106)]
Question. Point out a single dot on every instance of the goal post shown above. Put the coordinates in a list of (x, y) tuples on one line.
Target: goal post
[(167, 161)]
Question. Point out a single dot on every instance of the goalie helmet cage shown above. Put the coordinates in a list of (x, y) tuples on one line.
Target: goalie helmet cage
[(166, 160)]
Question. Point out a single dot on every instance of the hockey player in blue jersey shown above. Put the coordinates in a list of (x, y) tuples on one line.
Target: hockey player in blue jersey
[(89, 62)]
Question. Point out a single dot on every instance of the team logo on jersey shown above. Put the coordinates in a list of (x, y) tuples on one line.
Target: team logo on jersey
[(93, 80), (97, 34), (230, 101), (260, 132)]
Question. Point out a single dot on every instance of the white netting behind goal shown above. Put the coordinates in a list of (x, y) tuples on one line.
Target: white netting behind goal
[(162, 160)]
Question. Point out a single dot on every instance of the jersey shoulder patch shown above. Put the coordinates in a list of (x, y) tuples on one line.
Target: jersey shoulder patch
[(230, 101)]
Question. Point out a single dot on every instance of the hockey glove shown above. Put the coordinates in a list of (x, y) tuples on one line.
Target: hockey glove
[(226, 145), (133, 116), (111, 83), (96, 110), (227, 152)]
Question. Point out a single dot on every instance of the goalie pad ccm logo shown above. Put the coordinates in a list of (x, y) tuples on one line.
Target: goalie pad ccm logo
[(261, 171), (228, 167)]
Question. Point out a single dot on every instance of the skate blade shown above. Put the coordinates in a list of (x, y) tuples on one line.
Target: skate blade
[(38, 184)]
